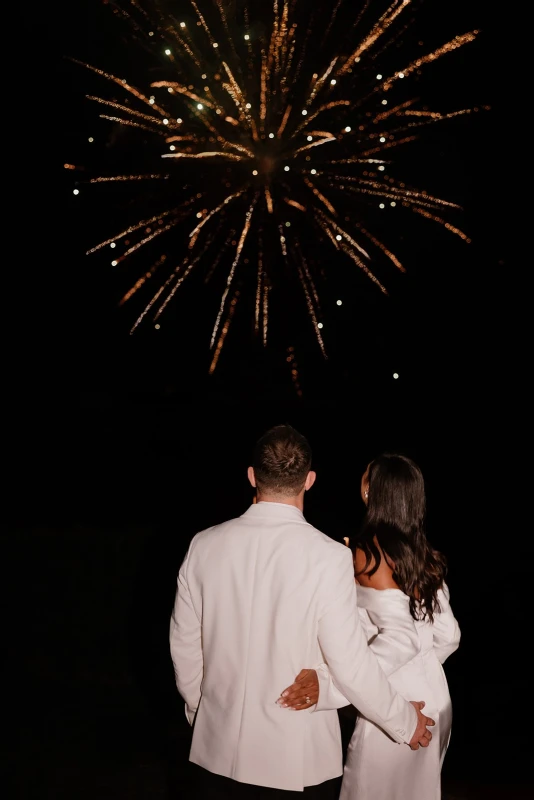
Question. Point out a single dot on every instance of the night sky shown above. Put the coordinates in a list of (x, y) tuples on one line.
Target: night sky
[(113, 432), (443, 327)]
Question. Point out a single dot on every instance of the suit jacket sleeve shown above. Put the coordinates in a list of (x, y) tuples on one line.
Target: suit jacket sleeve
[(329, 695), (390, 633), (355, 669), (446, 631), (186, 645)]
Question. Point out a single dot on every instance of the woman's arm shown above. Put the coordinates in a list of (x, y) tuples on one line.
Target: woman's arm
[(445, 630), (396, 640)]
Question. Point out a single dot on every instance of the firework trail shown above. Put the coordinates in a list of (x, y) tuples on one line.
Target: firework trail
[(276, 136)]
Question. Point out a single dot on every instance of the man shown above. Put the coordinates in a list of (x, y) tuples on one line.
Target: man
[(259, 596)]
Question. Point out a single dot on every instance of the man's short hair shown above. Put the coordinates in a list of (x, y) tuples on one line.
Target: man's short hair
[(281, 461)]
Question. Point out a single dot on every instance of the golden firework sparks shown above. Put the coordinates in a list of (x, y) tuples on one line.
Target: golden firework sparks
[(241, 119)]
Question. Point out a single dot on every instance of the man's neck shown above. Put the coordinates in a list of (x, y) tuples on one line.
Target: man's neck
[(297, 500)]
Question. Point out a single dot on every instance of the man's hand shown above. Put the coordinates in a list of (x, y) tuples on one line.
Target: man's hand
[(422, 736), (303, 693)]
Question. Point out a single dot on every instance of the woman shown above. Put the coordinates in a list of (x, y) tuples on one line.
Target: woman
[(403, 602)]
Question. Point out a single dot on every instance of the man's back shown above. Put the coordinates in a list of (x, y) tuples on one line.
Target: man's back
[(259, 598), (257, 586)]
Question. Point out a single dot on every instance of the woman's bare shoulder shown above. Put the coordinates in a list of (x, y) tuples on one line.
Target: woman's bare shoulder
[(381, 579)]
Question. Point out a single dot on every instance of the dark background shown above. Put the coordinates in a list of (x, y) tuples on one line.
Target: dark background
[(121, 448)]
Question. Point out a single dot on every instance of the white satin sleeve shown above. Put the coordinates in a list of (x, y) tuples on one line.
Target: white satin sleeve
[(445, 630), (393, 635)]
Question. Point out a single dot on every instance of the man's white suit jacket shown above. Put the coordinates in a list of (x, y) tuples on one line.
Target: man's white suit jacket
[(259, 598)]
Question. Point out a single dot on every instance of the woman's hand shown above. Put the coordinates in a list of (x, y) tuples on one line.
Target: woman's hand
[(302, 694)]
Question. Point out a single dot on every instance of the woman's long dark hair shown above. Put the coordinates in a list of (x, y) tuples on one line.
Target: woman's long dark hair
[(395, 518)]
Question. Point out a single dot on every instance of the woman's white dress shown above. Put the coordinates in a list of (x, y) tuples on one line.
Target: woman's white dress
[(411, 653)]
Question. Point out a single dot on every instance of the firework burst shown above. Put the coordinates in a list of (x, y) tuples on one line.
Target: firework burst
[(268, 140)]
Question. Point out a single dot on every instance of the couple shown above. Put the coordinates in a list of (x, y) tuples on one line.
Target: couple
[(266, 596)]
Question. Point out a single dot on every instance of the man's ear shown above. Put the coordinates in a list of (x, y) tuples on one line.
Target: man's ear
[(251, 476), (310, 480)]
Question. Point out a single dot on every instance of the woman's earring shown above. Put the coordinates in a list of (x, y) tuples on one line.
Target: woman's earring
[(366, 493)]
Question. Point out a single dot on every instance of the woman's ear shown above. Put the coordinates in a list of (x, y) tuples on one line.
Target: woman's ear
[(364, 486)]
